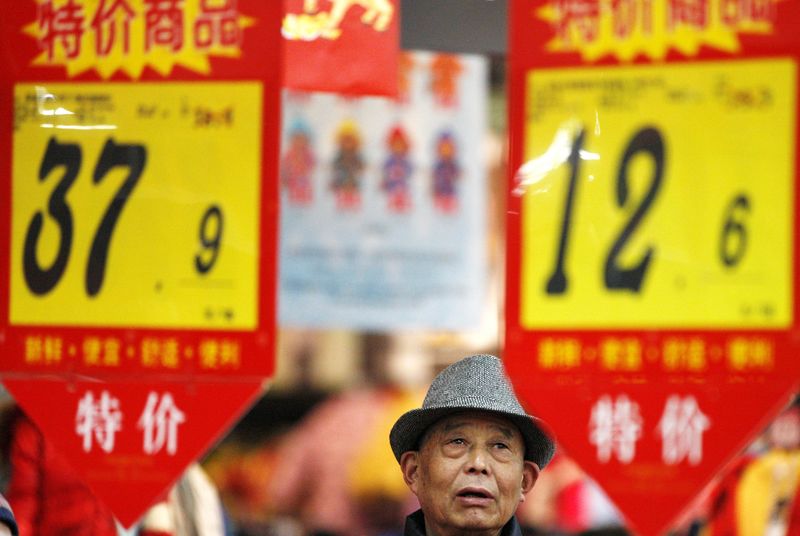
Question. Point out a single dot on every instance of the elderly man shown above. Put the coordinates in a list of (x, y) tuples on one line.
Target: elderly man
[(470, 453)]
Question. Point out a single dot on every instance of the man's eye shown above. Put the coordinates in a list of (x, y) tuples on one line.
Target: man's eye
[(457, 441), (501, 446)]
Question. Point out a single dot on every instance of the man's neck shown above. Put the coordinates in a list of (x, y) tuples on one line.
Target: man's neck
[(445, 531)]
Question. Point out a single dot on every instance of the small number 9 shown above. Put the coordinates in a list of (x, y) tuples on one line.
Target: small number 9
[(209, 239)]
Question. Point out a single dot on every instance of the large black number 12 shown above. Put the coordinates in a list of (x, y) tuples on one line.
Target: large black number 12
[(557, 283), (647, 140)]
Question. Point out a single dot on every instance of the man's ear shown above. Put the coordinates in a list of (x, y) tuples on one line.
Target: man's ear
[(409, 464), (530, 472)]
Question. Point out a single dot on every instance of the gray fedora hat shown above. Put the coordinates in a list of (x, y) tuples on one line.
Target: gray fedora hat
[(476, 382)]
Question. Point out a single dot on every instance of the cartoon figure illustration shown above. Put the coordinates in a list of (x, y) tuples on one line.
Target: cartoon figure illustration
[(445, 69), (446, 172), (297, 165), (406, 68), (313, 23), (397, 171), (347, 167)]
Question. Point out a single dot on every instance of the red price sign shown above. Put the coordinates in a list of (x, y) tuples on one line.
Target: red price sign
[(139, 221), (652, 237)]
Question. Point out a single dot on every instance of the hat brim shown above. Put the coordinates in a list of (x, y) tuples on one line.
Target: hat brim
[(410, 427)]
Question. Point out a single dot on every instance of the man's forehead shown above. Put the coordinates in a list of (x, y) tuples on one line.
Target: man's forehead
[(477, 418)]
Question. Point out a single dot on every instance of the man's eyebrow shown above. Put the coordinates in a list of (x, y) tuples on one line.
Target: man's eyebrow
[(505, 431), (450, 426)]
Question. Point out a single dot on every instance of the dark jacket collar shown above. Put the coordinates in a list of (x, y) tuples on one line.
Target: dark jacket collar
[(415, 526)]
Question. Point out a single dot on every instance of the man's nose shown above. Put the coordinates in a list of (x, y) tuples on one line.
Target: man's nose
[(477, 461)]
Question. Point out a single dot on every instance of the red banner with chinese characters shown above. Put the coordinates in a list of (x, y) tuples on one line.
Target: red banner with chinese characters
[(652, 311), (138, 220), (342, 46)]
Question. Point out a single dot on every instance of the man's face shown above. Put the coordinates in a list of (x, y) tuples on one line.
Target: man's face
[(469, 474)]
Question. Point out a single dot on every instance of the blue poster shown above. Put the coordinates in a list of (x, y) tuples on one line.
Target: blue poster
[(383, 215)]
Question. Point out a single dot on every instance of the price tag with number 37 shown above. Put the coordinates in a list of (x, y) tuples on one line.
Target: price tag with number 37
[(669, 196), (136, 205)]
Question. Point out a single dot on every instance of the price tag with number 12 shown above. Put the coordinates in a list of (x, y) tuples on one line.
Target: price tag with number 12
[(644, 225)]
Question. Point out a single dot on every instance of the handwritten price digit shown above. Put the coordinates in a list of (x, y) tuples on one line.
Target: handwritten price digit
[(209, 242), (647, 141), (41, 280)]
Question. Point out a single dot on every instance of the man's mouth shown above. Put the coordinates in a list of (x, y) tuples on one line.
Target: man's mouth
[(474, 493)]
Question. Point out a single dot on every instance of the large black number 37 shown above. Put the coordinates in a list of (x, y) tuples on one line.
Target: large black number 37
[(41, 280)]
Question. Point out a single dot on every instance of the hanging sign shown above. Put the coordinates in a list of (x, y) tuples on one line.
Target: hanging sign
[(139, 221), (651, 301), (341, 46)]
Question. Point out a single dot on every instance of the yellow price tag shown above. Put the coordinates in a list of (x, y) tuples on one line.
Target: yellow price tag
[(659, 196), (136, 205)]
